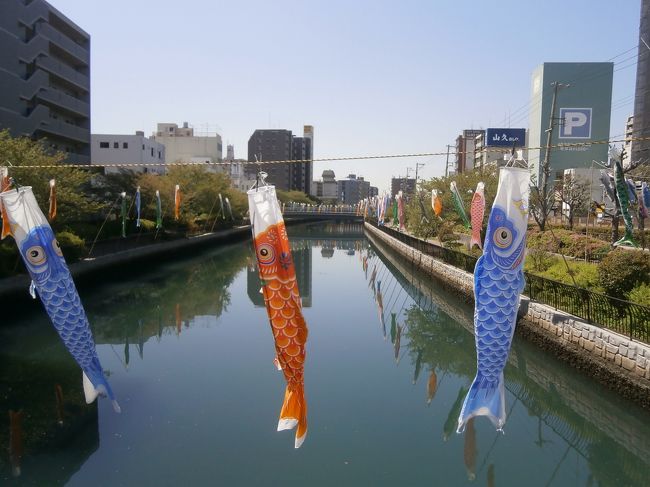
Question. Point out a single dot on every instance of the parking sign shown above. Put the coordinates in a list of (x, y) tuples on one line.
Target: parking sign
[(575, 123)]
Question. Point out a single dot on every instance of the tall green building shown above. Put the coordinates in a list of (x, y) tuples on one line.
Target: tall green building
[(582, 115)]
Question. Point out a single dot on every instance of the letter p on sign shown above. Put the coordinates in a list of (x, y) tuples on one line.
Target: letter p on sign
[(576, 123)]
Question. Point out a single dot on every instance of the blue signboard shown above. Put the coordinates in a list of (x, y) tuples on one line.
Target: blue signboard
[(575, 123), (505, 137)]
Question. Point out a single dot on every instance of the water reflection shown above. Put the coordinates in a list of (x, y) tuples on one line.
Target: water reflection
[(610, 441), (197, 407)]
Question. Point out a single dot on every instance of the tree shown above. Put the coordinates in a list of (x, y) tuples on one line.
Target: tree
[(574, 194), (541, 202), (466, 183), (74, 202)]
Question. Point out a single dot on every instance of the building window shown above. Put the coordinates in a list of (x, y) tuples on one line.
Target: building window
[(125, 145), (116, 145), (142, 146), (159, 155), (103, 145), (152, 152)]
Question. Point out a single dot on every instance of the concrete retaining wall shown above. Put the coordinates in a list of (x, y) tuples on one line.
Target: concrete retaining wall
[(615, 360)]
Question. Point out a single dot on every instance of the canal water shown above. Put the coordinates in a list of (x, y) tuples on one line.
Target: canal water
[(189, 352)]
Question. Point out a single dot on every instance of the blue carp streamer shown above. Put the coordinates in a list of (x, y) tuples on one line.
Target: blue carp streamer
[(52, 281), (498, 282)]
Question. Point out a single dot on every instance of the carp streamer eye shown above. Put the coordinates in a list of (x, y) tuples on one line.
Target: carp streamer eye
[(266, 254), (36, 255), (57, 248), (502, 237)]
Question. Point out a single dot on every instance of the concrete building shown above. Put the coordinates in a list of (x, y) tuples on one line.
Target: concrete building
[(492, 147), (582, 115), (641, 149), (465, 145), (282, 145), (236, 169), (45, 77), (327, 188), (182, 145), (352, 189), (406, 185), (120, 149)]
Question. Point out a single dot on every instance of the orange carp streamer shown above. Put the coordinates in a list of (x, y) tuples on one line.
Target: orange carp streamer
[(4, 186), (52, 210), (177, 202), (283, 304)]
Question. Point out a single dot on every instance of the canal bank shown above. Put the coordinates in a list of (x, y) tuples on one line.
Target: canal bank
[(621, 364)]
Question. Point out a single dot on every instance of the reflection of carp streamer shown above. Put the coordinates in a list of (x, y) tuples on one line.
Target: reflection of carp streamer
[(498, 282), (283, 304), (52, 281)]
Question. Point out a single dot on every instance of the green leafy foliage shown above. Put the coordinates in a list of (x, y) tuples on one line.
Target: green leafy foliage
[(622, 270), (294, 196), (72, 246), (640, 295), (200, 205), (567, 243), (74, 201), (420, 204)]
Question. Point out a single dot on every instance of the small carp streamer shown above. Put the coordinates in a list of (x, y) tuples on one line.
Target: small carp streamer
[(498, 282), (52, 281), (177, 202), (436, 203), (623, 195), (283, 304), (52, 209), (477, 210), (137, 207), (458, 203)]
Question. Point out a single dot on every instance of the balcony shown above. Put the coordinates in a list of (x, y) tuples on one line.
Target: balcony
[(64, 42), (65, 102), (64, 72), (65, 130)]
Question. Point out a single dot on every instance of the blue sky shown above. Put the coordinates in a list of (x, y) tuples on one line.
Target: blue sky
[(373, 77)]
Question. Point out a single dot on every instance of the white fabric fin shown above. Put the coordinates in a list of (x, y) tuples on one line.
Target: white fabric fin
[(300, 440), (32, 290), (287, 424), (89, 389)]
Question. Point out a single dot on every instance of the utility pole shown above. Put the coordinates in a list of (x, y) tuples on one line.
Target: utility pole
[(544, 202), (418, 165), (447, 163)]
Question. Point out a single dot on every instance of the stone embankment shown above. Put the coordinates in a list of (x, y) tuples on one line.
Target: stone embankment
[(613, 359)]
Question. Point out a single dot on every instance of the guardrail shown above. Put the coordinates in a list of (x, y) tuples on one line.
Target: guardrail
[(624, 317)]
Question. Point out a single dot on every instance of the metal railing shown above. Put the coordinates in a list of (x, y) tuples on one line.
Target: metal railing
[(598, 309)]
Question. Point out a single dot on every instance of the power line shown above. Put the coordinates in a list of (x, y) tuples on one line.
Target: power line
[(327, 159)]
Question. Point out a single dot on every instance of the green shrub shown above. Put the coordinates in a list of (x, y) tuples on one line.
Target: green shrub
[(446, 231), (538, 260), (147, 225), (584, 274), (640, 295), (72, 246), (622, 270)]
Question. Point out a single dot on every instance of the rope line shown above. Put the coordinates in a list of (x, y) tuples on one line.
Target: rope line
[(505, 150)]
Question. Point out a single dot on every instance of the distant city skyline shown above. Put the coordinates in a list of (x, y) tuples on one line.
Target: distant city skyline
[(371, 77)]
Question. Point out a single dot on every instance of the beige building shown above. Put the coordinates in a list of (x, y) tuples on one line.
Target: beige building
[(181, 145), (326, 188)]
